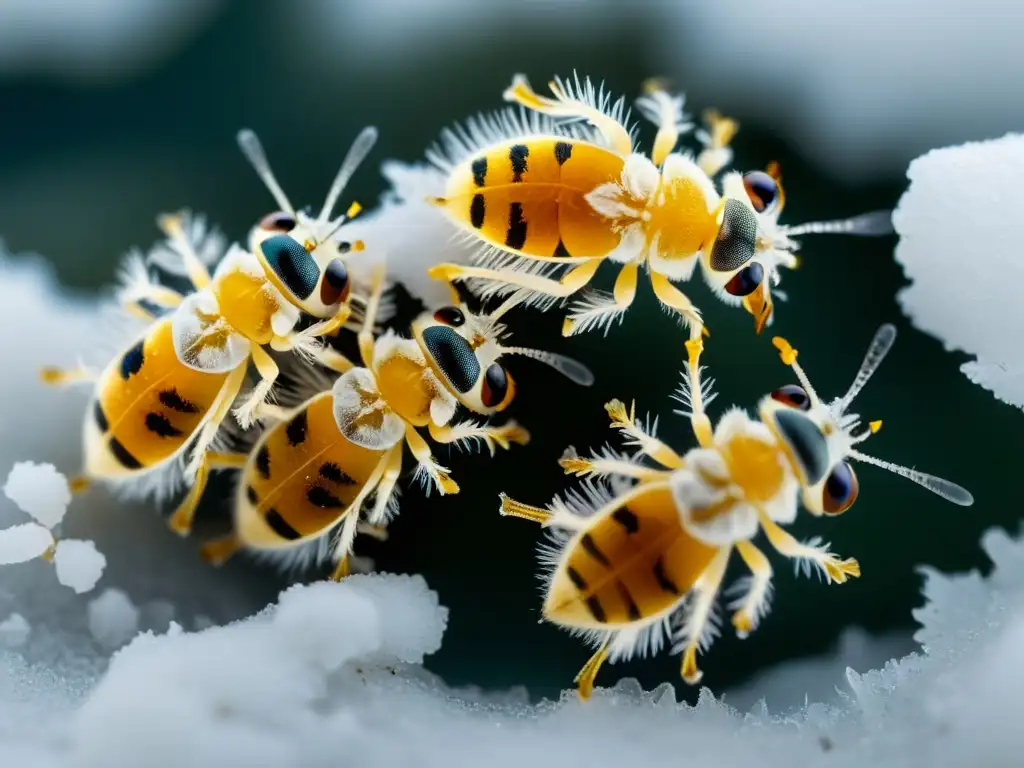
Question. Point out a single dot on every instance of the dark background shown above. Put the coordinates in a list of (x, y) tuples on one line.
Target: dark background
[(85, 164)]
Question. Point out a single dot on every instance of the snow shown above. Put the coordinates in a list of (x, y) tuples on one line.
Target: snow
[(14, 631), (21, 543), (975, 271), (79, 564), (39, 490), (113, 620)]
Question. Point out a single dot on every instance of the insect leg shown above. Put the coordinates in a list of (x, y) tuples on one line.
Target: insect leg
[(467, 431), (427, 466), (149, 301), (585, 679), (600, 466), (565, 105), (218, 551), (574, 279), (811, 554), (59, 377), (699, 420), (694, 631), (370, 318), (513, 508), (666, 111), (202, 460), (584, 315), (331, 325), (635, 435), (350, 521), (675, 299), (170, 225), (246, 413), (387, 485), (333, 359), (716, 137), (754, 603)]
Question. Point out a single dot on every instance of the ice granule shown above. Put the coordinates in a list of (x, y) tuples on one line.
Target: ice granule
[(960, 246), (39, 490), (113, 619), (14, 631), (79, 564), (24, 542)]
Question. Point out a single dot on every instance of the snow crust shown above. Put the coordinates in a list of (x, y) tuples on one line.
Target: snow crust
[(39, 490), (960, 247)]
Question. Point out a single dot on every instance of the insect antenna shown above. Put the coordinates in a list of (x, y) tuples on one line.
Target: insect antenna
[(944, 488), (788, 355), (573, 370), (880, 346), (356, 154), (253, 151), (872, 224)]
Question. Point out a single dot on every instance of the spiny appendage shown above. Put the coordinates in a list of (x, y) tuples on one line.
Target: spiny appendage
[(466, 435), (512, 508), (640, 436), (594, 311), (432, 475), (786, 351), (699, 629), (753, 597), (815, 555), (603, 463)]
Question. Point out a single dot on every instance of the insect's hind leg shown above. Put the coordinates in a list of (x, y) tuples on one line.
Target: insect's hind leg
[(513, 508), (61, 377), (574, 279), (585, 679)]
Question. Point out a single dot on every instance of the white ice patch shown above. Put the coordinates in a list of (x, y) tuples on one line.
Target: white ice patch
[(79, 564), (960, 246), (21, 543), (39, 490), (14, 631), (113, 619)]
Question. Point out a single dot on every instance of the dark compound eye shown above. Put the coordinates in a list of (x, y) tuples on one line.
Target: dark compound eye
[(279, 221), (450, 316), (793, 396), (453, 356), (840, 489), (495, 386), (292, 263), (746, 281), (761, 189), (335, 286), (736, 240)]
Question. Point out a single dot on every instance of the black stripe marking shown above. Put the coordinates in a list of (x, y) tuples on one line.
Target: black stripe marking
[(296, 429), (132, 361), (517, 155), (250, 494), (160, 425), (479, 168), (280, 526), (590, 546), (626, 519), (334, 473), (561, 251), (124, 458), (574, 576), (176, 402), (631, 607), (563, 151), (263, 462), (596, 609), (476, 211), (516, 235), (323, 498), (662, 578), (100, 417)]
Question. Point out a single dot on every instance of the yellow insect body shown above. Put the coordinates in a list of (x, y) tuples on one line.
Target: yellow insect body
[(549, 200), (631, 570)]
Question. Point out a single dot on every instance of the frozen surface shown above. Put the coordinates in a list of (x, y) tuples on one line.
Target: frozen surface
[(14, 631), (79, 564), (967, 280), (113, 620), (21, 543), (39, 490)]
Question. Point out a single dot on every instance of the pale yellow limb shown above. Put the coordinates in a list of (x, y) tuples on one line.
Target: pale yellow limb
[(198, 274), (350, 520), (623, 294), (563, 105), (574, 279), (165, 298), (702, 602), (331, 325), (648, 444), (421, 451), (60, 377), (835, 569), (699, 420), (585, 679), (333, 359), (717, 136), (387, 484), (246, 413), (502, 436), (370, 318), (753, 604), (513, 508), (181, 521), (668, 126), (218, 551), (675, 299)]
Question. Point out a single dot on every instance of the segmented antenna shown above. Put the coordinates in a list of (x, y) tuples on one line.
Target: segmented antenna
[(872, 224), (573, 370), (356, 154), (948, 490), (253, 151), (880, 346)]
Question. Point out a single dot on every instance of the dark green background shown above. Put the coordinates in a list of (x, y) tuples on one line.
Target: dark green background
[(84, 170)]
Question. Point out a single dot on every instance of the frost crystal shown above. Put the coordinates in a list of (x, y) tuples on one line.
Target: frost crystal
[(79, 564), (14, 631), (113, 620), (21, 543), (39, 490), (966, 279)]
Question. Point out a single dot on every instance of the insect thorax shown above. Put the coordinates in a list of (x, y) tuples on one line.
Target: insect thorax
[(406, 381)]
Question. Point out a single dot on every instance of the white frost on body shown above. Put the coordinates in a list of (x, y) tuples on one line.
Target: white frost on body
[(39, 490), (961, 246)]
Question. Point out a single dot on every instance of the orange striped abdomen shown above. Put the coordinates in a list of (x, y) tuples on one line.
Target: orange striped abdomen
[(631, 565), (148, 407), (300, 478), (527, 196)]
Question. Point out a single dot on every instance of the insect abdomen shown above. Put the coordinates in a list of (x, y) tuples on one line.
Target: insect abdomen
[(299, 479), (147, 408), (527, 196), (627, 567)]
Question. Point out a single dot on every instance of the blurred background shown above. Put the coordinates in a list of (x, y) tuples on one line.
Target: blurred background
[(114, 111)]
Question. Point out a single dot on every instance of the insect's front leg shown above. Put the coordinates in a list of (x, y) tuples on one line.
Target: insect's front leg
[(465, 432), (716, 137)]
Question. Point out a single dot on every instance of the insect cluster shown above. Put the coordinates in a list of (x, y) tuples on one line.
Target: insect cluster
[(547, 193)]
